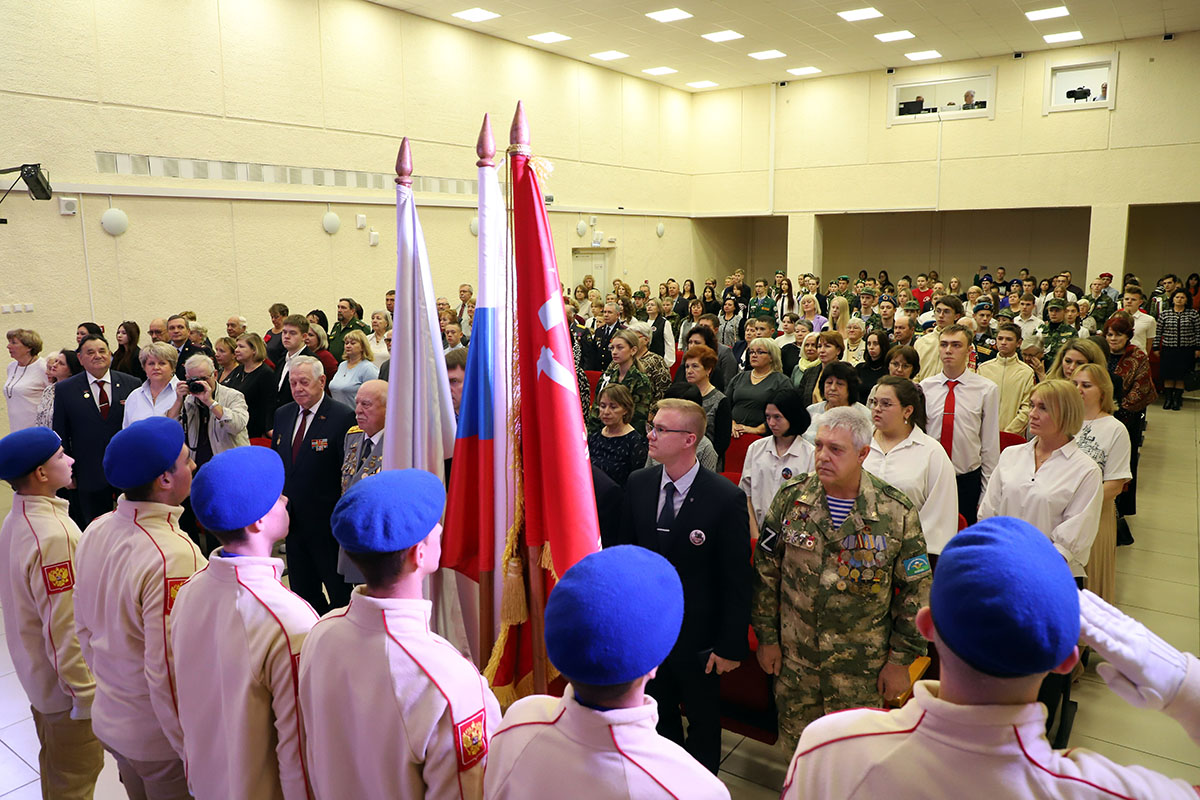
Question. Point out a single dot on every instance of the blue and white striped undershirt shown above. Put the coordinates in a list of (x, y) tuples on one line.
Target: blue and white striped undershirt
[(839, 509)]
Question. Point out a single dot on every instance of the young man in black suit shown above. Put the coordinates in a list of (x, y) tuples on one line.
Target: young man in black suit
[(177, 335), (310, 435), (292, 335), (698, 521), (89, 409)]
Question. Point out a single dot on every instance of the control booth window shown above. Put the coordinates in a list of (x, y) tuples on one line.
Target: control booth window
[(941, 98), (1080, 85)]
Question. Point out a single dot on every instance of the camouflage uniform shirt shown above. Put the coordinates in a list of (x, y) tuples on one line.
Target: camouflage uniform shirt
[(638, 385), (1054, 334), (658, 372)]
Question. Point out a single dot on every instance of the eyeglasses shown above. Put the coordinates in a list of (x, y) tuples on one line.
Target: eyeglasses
[(757, 352), (658, 430)]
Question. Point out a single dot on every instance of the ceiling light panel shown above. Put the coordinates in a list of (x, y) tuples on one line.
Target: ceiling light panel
[(1047, 13), (859, 14), (550, 37), (476, 15), (669, 15), (609, 55), (895, 36), (767, 55), (703, 84), (1069, 36), (923, 55), (804, 71), (722, 36), (660, 71)]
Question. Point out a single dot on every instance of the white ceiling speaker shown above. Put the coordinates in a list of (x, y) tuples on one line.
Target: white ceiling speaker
[(114, 221), (68, 206), (661, 230), (331, 222), (473, 226)]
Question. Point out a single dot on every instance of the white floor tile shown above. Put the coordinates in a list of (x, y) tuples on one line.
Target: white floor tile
[(1169, 598), (1105, 716), (6, 662), (760, 763), (21, 738), (1129, 757), (1157, 566), (30, 791), (742, 789), (14, 773), (14, 705)]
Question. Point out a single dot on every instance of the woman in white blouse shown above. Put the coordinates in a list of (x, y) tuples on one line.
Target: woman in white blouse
[(155, 397), (776, 459), (1106, 440), (381, 323), (25, 379), (1048, 481), (905, 456)]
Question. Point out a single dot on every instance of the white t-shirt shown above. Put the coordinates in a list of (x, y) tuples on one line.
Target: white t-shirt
[(1106, 440)]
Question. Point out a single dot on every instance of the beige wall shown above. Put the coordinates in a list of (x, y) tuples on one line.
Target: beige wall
[(1163, 238)]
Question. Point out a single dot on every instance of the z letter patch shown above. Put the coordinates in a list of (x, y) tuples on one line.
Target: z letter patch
[(471, 741), (916, 566), (59, 577)]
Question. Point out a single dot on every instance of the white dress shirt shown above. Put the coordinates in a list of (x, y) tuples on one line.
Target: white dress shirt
[(93, 384), (681, 488), (919, 467), (976, 420), (1145, 328), (765, 471), (1030, 328), (140, 405), (1063, 499), (286, 366)]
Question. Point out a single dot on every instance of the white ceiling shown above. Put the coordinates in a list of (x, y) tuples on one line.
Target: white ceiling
[(808, 31)]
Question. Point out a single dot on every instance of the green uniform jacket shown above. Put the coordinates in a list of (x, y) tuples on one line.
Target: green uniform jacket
[(841, 596), (338, 333), (1054, 335), (1102, 308), (638, 385)]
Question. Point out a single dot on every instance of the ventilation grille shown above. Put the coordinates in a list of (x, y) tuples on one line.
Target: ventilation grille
[(205, 169)]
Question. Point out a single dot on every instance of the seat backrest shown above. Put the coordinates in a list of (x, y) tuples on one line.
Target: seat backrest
[(735, 455), (593, 381), (1010, 439)]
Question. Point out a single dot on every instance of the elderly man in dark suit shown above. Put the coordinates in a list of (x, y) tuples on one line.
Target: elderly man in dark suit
[(310, 435), (699, 521), (89, 409)]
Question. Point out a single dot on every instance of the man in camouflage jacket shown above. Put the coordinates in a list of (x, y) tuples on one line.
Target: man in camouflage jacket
[(835, 607)]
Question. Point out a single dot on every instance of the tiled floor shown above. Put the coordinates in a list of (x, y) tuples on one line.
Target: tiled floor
[(1157, 583)]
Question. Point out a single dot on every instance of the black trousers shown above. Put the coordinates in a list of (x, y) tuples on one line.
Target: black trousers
[(87, 504), (679, 681), (1135, 424), (970, 487), (312, 564)]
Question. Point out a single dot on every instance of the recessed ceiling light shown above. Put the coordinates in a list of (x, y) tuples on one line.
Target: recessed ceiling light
[(722, 36), (476, 15), (804, 71), (1069, 36), (923, 55), (894, 36), (609, 55), (1047, 13), (659, 71), (703, 84), (669, 15), (765, 55), (859, 14), (549, 37)]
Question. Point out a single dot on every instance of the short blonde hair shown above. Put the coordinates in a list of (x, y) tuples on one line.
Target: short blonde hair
[(361, 338), (1064, 403), (30, 339), (695, 420), (1103, 381), (160, 350), (322, 337), (772, 349)]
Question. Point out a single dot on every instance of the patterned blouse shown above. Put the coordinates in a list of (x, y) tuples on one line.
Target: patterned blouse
[(1133, 368), (1178, 329)]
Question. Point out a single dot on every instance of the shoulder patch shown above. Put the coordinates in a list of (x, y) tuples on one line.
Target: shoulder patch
[(470, 741), (355, 429), (173, 586), (59, 577), (896, 494), (916, 566)]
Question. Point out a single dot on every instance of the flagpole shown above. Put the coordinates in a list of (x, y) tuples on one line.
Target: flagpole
[(485, 148), (518, 135)]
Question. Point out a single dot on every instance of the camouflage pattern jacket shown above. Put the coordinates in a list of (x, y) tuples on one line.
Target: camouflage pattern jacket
[(852, 593)]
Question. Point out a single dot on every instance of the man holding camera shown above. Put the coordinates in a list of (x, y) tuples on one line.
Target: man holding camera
[(214, 417)]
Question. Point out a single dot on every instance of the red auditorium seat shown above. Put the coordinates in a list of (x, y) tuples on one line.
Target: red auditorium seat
[(735, 455), (593, 380), (1009, 439), (260, 441)]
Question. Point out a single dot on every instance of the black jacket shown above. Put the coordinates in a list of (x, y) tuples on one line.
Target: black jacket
[(313, 482), (84, 434)]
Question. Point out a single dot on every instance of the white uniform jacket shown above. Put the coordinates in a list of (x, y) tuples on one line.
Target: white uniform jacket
[(555, 747), (37, 591), (235, 640), (132, 563), (391, 710), (932, 749)]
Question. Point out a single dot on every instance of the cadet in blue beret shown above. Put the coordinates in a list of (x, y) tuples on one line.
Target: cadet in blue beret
[(38, 541), (375, 682), (132, 564), (240, 722), (610, 621), (1004, 612)]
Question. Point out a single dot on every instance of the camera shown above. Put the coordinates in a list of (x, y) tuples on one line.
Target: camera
[(1082, 93), (196, 386)]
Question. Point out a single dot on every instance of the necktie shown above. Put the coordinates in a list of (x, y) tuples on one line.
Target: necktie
[(948, 420), (666, 517), (366, 452), (299, 438), (102, 399)]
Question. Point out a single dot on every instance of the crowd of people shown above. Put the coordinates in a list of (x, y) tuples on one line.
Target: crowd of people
[(895, 437)]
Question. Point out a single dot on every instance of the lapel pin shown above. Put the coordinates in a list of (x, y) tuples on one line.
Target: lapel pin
[(697, 538)]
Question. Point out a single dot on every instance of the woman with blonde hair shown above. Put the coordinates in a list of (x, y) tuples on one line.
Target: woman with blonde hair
[(155, 397), (356, 370), (1106, 440), (811, 311), (318, 341), (839, 313), (381, 323), (625, 370), (749, 391), (1071, 355), (25, 379)]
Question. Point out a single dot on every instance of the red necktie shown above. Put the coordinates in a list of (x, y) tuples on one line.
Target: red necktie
[(948, 419), (299, 438), (102, 399)]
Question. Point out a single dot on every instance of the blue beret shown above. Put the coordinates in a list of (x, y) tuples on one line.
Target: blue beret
[(987, 277), (887, 298), (237, 488), (984, 306), (388, 511), (1004, 600), (614, 616), (142, 452), (23, 451)]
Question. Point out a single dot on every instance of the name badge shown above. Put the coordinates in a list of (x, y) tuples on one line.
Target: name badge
[(320, 444)]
